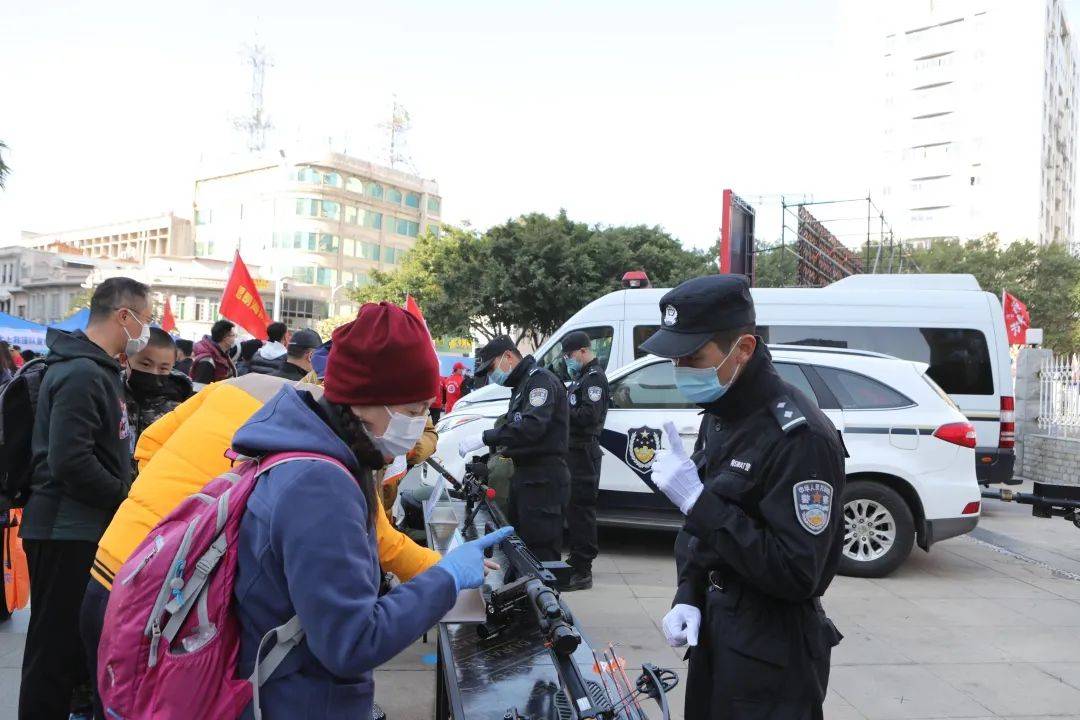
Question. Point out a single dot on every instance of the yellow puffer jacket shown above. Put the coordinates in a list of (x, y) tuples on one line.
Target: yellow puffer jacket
[(185, 449)]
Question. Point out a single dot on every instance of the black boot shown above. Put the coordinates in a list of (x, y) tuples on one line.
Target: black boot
[(581, 579)]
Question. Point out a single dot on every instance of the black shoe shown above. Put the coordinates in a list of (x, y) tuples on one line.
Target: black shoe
[(377, 712), (580, 580)]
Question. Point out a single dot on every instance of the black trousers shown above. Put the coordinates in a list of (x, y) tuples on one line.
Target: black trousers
[(538, 494), (54, 661), (91, 620), (759, 658), (584, 464)]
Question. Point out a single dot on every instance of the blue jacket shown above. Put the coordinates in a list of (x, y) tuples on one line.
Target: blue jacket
[(306, 548)]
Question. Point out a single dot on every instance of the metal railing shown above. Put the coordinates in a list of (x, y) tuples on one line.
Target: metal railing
[(1059, 396)]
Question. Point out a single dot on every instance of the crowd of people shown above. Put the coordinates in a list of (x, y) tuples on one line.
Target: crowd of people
[(132, 425)]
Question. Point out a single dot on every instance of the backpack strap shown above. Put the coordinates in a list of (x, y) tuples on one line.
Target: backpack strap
[(287, 637)]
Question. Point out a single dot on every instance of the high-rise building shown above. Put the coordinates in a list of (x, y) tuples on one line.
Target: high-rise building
[(322, 223), (980, 119)]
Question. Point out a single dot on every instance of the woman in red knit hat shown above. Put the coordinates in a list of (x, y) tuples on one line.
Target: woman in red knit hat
[(307, 541)]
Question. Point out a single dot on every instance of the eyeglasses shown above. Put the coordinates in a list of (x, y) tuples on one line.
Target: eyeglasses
[(152, 319)]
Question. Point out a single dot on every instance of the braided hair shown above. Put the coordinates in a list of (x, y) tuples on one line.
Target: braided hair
[(369, 457)]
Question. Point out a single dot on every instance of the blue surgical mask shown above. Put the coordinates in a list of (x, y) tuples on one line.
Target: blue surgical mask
[(573, 367), (702, 385), (498, 375)]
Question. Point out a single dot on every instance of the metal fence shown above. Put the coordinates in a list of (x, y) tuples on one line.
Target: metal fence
[(1059, 396)]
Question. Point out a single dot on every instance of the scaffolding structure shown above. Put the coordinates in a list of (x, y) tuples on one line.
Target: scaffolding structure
[(858, 239)]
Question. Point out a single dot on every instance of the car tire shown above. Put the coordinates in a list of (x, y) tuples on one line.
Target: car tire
[(879, 530)]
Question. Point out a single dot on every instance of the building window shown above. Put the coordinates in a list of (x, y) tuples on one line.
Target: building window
[(303, 274), (412, 200), (332, 179), (406, 227), (204, 217), (329, 243), (302, 312), (393, 195), (433, 229), (433, 205), (350, 214), (306, 174), (355, 184), (325, 276), (330, 210), (362, 250), (375, 190)]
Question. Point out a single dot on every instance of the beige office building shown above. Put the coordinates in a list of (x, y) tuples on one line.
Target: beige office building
[(130, 240), (320, 223)]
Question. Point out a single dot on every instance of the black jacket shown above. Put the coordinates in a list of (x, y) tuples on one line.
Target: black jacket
[(589, 399), (81, 445), (289, 371), (537, 421), (144, 410)]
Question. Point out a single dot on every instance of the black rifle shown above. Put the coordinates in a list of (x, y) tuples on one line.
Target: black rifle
[(1046, 500)]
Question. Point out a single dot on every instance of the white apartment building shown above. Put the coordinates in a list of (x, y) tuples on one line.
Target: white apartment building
[(322, 222), (980, 119)]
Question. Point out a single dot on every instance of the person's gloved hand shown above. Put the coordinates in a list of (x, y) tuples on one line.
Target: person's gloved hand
[(471, 444), (681, 625), (675, 473), (466, 563)]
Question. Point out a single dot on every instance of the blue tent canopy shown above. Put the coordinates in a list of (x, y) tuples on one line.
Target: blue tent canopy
[(25, 334), (77, 321)]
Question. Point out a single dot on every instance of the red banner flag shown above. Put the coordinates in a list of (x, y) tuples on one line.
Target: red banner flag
[(168, 322), (1017, 319), (413, 309), (241, 302)]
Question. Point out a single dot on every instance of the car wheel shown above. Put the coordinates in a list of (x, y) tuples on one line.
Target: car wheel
[(878, 530)]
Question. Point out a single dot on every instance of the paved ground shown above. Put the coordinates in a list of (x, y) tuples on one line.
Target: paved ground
[(984, 626)]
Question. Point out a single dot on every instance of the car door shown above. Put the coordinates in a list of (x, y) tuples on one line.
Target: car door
[(803, 377), (642, 400)]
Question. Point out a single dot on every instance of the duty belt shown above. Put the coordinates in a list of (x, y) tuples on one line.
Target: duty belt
[(719, 582)]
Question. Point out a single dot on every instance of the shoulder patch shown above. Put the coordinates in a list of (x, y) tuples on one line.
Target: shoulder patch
[(813, 505), (538, 396), (787, 413), (595, 393)]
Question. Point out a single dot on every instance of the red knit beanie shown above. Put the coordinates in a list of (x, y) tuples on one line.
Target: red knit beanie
[(383, 357)]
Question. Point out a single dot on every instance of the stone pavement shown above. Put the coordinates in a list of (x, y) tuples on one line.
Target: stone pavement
[(984, 626)]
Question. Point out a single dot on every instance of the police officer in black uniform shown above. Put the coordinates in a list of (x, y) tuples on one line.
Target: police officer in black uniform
[(764, 520), (534, 435), (589, 398)]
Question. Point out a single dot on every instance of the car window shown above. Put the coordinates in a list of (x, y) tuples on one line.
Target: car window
[(795, 375), (858, 392), (650, 387), (601, 337), (641, 334), (959, 358)]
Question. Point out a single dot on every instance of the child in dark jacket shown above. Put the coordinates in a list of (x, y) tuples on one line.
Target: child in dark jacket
[(307, 541), (151, 386)]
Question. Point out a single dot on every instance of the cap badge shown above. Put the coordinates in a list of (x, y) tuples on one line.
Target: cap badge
[(671, 315)]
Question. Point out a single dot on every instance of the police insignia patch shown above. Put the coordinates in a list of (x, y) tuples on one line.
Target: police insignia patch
[(671, 315), (573, 399), (813, 505), (595, 393), (641, 446), (538, 396)]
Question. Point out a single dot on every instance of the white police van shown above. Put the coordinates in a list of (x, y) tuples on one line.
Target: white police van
[(911, 470), (945, 321)]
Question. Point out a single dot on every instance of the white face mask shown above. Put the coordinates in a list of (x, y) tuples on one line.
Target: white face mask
[(136, 345), (401, 434)]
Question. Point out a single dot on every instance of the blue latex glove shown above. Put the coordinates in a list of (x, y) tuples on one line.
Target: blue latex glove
[(466, 563)]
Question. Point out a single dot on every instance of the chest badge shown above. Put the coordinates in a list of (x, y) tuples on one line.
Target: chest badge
[(595, 393), (641, 446), (813, 505), (538, 396), (741, 465), (671, 315), (573, 399)]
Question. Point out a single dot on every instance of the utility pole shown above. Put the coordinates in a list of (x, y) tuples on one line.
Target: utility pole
[(256, 123)]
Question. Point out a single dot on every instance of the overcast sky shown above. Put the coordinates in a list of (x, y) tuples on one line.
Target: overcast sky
[(620, 111)]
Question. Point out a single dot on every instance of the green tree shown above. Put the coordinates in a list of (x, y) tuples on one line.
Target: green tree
[(5, 170), (79, 301)]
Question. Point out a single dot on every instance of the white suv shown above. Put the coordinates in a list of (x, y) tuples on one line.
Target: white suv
[(910, 474)]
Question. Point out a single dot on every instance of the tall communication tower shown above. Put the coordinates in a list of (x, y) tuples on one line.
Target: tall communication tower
[(396, 128), (255, 125)]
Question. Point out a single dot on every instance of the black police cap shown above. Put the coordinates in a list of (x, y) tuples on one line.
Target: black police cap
[(492, 350), (575, 341), (305, 339), (693, 312)]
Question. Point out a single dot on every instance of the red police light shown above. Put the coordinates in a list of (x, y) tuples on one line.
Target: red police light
[(635, 280)]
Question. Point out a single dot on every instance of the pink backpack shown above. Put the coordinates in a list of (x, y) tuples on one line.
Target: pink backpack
[(171, 641)]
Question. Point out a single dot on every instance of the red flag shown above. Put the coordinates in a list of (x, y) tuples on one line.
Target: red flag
[(1017, 319), (241, 302), (413, 309), (168, 322)]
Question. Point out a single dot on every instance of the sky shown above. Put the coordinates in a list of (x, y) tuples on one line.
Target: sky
[(621, 112)]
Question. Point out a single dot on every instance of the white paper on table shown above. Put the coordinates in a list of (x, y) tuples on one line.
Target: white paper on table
[(468, 608)]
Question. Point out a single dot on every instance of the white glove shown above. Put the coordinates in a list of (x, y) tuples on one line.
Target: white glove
[(675, 473), (471, 444), (681, 625)]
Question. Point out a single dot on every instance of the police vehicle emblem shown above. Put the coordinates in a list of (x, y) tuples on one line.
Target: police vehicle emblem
[(641, 446), (538, 396), (595, 393), (573, 399), (671, 315), (813, 505)]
